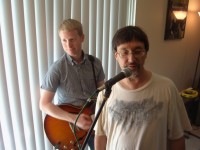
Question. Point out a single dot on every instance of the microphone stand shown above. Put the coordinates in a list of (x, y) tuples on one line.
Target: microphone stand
[(106, 96)]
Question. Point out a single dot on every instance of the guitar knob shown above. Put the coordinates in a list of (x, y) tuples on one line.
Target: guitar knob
[(72, 142), (64, 147)]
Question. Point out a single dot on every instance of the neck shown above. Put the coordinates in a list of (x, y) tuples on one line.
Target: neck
[(78, 58)]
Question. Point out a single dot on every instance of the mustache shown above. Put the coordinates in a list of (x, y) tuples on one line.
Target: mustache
[(134, 64)]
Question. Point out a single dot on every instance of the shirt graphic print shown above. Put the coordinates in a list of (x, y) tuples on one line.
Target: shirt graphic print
[(135, 113)]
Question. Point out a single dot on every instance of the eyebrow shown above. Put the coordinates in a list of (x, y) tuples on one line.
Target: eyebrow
[(137, 47)]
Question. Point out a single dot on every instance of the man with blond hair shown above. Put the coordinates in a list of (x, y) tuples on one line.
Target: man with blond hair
[(73, 77)]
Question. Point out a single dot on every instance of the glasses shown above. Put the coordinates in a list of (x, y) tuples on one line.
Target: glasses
[(138, 52)]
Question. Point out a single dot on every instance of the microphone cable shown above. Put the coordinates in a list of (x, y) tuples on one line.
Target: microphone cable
[(84, 106)]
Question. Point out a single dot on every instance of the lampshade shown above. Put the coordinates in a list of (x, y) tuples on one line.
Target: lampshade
[(199, 13), (180, 15)]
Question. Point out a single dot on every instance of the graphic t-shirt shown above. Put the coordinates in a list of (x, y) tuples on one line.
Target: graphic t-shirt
[(142, 119)]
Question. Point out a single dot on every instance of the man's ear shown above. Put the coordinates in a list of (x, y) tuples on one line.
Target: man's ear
[(116, 55), (83, 37)]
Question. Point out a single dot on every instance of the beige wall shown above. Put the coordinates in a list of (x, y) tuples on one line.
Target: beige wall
[(175, 59)]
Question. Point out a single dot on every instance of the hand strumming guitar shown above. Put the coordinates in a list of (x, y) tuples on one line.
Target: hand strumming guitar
[(61, 133), (84, 121)]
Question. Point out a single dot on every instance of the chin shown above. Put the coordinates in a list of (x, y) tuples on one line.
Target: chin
[(135, 73)]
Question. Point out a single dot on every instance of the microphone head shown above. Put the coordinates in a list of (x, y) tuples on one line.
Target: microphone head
[(127, 71)]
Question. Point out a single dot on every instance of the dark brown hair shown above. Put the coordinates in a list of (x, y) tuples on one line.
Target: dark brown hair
[(128, 34)]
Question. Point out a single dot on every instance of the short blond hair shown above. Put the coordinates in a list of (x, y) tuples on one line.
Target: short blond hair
[(70, 25)]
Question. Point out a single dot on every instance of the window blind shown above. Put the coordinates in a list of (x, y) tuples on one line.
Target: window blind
[(29, 44)]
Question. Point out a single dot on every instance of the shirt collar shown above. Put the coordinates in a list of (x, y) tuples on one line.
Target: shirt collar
[(73, 62)]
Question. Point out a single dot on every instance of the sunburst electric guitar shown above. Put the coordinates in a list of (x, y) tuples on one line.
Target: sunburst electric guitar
[(60, 133)]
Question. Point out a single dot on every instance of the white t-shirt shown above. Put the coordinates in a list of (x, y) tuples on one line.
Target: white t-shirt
[(142, 119)]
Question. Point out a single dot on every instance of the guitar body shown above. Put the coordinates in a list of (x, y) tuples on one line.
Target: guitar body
[(60, 133)]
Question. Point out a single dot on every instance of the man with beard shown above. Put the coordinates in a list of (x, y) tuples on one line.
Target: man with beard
[(143, 111)]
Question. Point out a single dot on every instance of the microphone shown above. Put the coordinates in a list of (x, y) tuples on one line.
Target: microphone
[(126, 72)]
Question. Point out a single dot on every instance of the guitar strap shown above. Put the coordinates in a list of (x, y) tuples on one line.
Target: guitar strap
[(91, 58), (93, 104)]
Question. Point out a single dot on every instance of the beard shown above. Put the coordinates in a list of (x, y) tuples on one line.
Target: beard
[(135, 70)]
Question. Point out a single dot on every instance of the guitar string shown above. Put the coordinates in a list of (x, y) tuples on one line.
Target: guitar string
[(74, 131)]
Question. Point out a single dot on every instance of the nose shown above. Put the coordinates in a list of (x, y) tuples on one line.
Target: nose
[(131, 56), (69, 44)]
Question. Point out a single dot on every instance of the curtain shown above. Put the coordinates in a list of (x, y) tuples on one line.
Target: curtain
[(29, 44)]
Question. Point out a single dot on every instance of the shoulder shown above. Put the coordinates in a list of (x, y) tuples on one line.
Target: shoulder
[(163, 81), (59, 64), (61, 60), (162, 78), (96, 61), (93, 58)]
